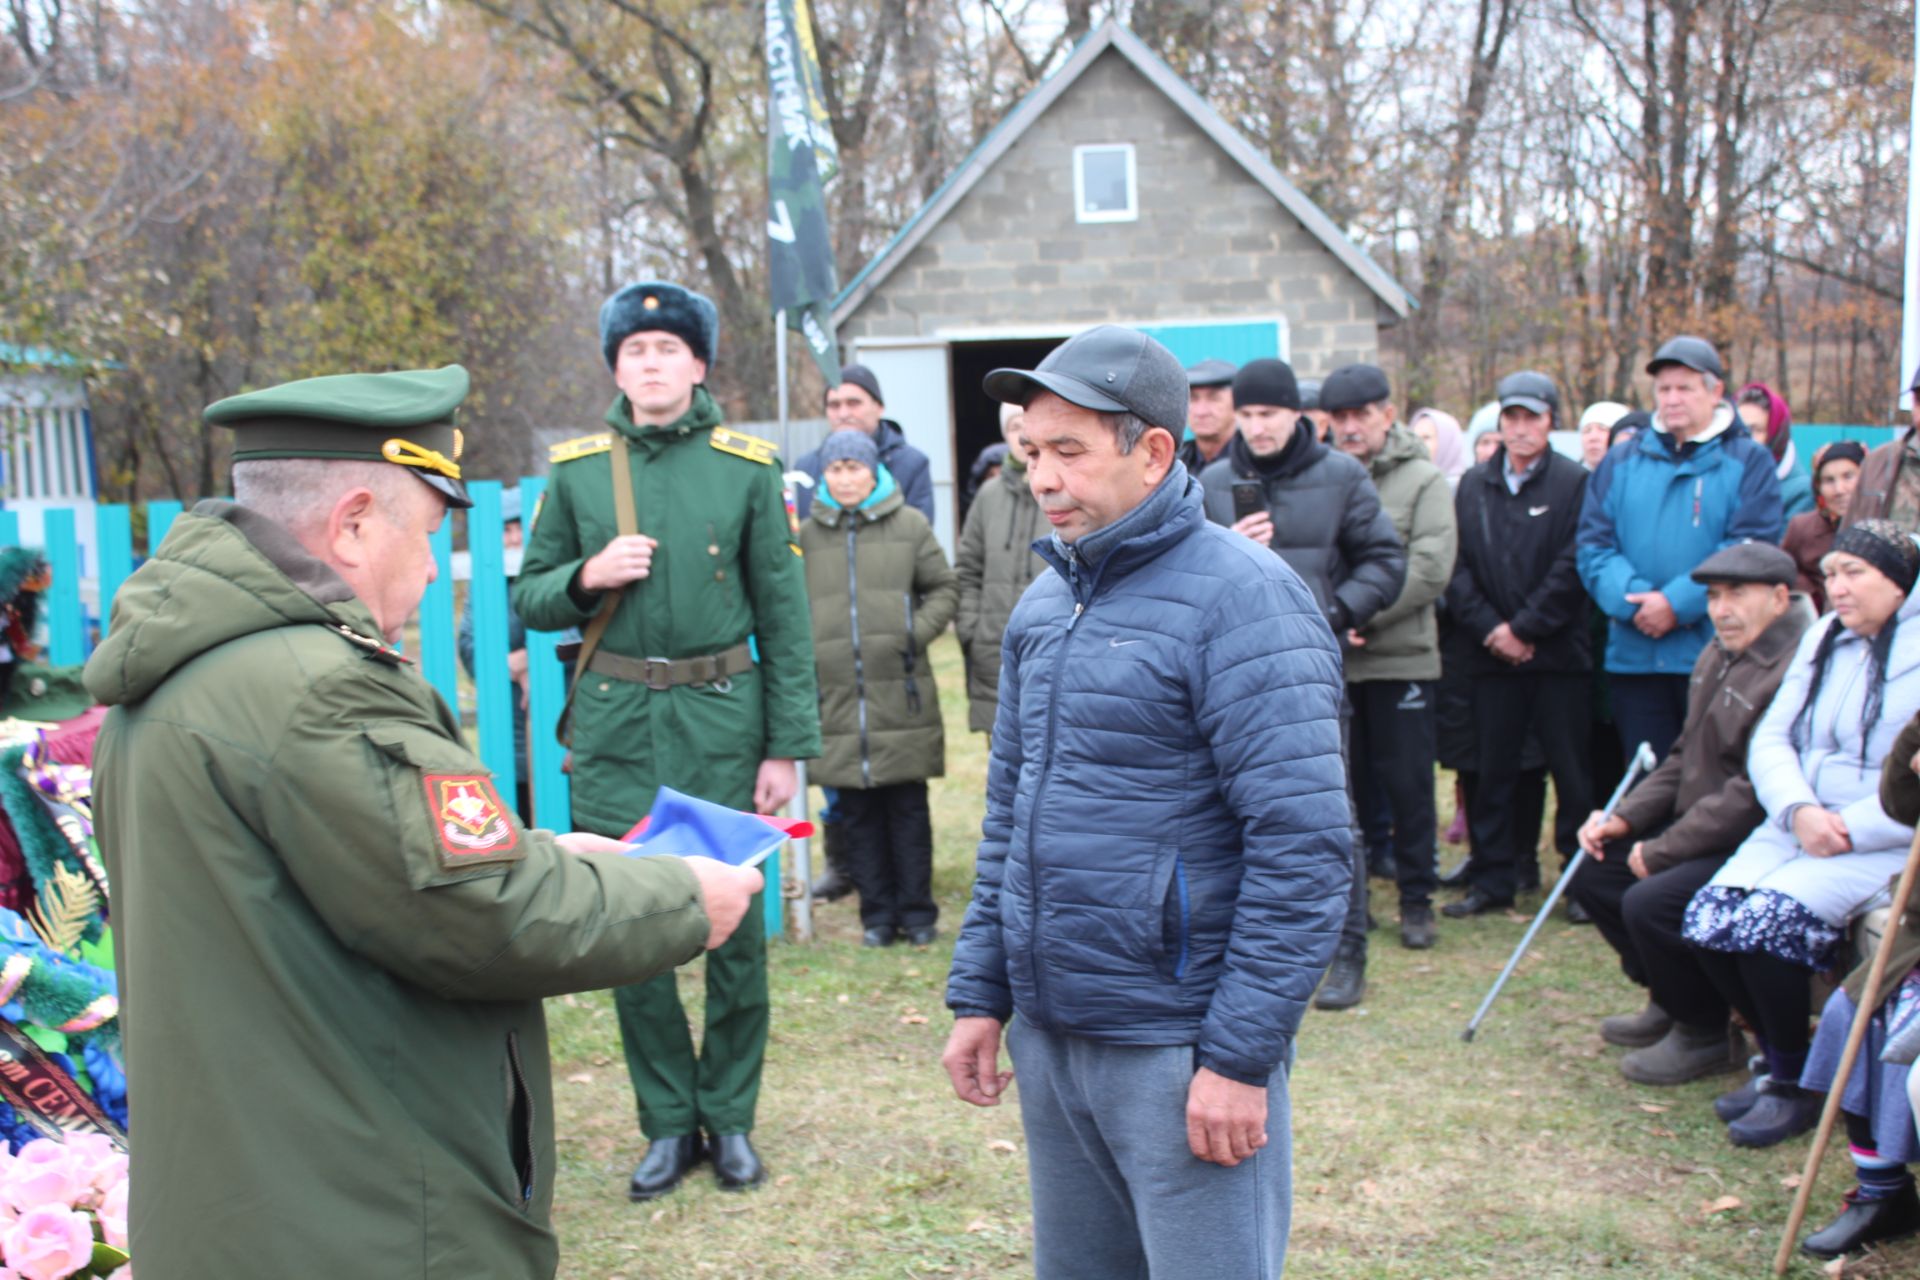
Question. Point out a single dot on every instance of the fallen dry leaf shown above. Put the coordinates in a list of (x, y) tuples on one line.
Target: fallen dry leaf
[(1721, 1205), (842, 998), (782, 1181), (1835, 1268), (1654, 1108), (1003, 1146), (914, 1019), (1791, 1181), (580, 1077), (978, 1225), (1369, 1188), (1658, 1132)]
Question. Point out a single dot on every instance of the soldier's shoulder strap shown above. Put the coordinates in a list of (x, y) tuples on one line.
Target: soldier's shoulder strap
[(742, 445), (580, 447)]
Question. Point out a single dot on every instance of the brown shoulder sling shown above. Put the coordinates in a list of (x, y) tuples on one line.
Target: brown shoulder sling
[(627, 524)]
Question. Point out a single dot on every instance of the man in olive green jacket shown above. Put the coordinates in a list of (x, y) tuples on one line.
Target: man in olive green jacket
[(995, 565), (1393, 665), (703, 682), (882, 592), (332, 937)]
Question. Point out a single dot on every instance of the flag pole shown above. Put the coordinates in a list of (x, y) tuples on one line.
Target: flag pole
[(802, 847)]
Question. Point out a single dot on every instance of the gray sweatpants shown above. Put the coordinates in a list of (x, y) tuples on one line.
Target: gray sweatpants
[(1117, 1193)]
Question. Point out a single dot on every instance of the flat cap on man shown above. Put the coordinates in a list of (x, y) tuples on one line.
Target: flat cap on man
[(1760, 562), (654, 305), (1211, 373), (1529, 390), (1354, 386), (405, 418), (1692, 353), (1309, 393), (1109, 369), (862, 377)]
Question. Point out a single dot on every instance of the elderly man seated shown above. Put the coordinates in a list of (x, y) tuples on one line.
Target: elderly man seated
[(1672, 832)]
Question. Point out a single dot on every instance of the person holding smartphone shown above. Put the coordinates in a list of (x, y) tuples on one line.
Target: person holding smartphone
[(1318, 511)]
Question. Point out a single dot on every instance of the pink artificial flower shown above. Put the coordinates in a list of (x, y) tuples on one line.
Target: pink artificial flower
[(49, 1243), (102, 1164), (113, 1216), (45, 1173)]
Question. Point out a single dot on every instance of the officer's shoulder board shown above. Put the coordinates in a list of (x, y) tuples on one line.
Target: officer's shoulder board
[(580, 447), (742, 445)]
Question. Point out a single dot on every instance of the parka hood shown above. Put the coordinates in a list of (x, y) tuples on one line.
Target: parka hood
[(1401, 446), (222, 573)]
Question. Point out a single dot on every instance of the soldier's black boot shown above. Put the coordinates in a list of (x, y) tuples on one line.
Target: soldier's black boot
[(668, 1160), (736, 1163)]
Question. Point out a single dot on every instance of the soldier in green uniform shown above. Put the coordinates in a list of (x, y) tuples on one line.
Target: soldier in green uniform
[(703, 681), (332, 937)]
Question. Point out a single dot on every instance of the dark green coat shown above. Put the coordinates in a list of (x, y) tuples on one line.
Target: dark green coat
[(882, 591), (332, 939), (996, 564), (727, 567)]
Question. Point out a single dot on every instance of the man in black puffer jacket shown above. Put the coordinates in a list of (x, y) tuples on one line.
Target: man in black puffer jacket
[(1517, 591), (1322, 515)]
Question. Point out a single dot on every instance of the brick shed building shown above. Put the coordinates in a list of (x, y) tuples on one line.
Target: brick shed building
[(1112, 193)]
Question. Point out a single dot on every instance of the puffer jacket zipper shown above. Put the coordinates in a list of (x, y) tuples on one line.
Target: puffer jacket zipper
[(1046, 772), (859, 667)]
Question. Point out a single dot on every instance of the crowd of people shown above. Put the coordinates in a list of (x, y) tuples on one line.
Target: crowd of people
[(1221, 625), (1512, 613)]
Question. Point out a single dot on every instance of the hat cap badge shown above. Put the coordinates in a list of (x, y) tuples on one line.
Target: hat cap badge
[(650, 302)]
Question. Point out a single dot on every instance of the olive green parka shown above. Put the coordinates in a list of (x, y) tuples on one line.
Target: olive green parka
[(727, 568), (882, 591), (1403, 639), (332, 938), (996, 564)]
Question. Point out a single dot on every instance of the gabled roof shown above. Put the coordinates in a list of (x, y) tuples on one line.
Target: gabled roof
[(1111, 35)]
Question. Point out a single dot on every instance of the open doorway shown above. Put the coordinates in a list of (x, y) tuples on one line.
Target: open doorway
[(976, 416)]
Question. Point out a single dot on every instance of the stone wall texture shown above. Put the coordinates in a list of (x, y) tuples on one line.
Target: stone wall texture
[(1211, 244)]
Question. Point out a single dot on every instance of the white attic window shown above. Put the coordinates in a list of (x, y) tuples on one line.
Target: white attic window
[(1104, 189)]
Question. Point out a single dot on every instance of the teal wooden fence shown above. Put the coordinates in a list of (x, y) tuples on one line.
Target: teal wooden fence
[(78, 613)]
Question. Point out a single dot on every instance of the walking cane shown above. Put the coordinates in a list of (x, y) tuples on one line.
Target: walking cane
[(1642, 762), (1856, 1035)]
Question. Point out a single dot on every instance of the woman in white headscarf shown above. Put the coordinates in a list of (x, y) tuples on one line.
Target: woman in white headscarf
[(1446, 443)]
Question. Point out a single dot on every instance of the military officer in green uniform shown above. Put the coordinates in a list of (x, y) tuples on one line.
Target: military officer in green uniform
[(702, 681), (332, 936)]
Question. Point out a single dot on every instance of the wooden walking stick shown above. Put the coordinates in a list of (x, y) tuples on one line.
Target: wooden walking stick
[(1856, 1036)]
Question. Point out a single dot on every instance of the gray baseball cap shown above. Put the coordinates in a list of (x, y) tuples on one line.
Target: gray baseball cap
[(1529, 390), (1108, 369), (1694, 353)]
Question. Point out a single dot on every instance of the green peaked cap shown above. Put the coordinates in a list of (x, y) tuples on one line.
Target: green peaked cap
[(406, 418)]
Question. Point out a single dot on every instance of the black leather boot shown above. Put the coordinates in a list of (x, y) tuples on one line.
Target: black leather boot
[(735, 1163), (834, 883), (1863, 1222), (1346, 980), (668, 1160)]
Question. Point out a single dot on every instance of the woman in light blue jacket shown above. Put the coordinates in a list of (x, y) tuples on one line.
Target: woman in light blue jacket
[(1781, 905)]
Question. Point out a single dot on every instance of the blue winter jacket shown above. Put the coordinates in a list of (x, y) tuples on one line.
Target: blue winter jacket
[(1654, 511), (1164, 858)]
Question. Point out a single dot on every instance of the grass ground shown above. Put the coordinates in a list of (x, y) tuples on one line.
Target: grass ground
[(1524, 1154)]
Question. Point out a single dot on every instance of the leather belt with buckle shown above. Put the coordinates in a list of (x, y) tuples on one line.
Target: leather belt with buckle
[(661, 674)]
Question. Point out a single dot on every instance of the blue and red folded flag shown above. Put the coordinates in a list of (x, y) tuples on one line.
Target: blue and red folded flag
[(689, 828)]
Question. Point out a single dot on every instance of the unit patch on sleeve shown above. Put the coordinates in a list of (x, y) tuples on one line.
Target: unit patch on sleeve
[(471, 822)]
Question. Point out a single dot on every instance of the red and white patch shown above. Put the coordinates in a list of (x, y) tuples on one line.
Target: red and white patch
[(469, 816)]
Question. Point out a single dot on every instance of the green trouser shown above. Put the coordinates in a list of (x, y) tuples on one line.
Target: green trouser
[(678, 1093)]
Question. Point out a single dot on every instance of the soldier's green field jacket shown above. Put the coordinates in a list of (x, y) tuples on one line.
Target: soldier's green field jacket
[(332, 938), (727, 567)]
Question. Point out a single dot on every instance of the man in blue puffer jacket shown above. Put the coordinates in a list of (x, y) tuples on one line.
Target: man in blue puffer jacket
[(1655, 510), (1164, 864)]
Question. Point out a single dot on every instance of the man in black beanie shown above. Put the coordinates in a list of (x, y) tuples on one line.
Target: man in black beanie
[(1316, 508), (856, 405)]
